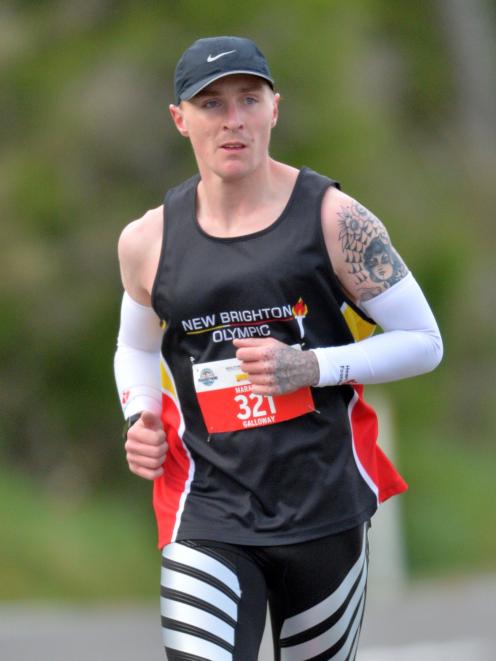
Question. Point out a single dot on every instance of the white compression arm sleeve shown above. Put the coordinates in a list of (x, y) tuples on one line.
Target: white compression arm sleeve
[(137, 359), (410, 345)]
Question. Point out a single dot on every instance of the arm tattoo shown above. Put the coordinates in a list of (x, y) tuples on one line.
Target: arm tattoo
[(373, 262), (294, 369)]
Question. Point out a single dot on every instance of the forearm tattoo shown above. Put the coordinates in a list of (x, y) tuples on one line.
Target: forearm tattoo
[(372, 260), (294, 369)]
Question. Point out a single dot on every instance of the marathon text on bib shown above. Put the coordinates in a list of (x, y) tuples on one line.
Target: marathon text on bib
[(228, 404)]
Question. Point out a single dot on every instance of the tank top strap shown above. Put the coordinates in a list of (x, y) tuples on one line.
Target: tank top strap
[(307, 198), (180, 201)]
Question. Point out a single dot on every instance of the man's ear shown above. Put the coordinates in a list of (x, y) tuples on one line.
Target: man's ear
[(275, 112), (178, 119)]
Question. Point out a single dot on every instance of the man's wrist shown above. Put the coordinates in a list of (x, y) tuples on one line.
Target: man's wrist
[(130, 421), (314, 375)]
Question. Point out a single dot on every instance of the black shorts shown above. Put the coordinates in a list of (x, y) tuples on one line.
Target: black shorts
[(214, 596)]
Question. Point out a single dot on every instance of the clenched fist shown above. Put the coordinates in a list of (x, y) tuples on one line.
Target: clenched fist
[(146, 446), (274, 368)]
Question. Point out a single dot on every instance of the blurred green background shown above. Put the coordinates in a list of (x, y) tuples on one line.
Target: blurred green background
[(394, 99)]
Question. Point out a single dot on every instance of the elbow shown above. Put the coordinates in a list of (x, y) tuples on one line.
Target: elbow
[(437, 351), (429, 352), (440, 350)]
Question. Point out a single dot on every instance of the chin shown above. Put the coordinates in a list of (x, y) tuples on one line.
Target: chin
[(234, 171)]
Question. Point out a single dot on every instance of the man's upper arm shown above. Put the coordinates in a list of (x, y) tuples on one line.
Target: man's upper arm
[(139, 252), (359, 247)]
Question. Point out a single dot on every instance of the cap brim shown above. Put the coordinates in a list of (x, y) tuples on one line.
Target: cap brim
[(193, 90)]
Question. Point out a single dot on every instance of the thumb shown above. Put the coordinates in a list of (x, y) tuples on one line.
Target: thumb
[(151, 420)]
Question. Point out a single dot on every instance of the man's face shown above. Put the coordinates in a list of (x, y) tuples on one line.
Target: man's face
[(381, 266), (378, 260), (229, 124)]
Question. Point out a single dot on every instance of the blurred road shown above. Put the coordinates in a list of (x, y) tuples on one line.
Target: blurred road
[(427, 622)]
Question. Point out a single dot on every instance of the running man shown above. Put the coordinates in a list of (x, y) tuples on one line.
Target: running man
[(250, 301)]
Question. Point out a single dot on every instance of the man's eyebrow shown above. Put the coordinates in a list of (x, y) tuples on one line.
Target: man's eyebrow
[(212, 91), (209, 92), (252, 88)]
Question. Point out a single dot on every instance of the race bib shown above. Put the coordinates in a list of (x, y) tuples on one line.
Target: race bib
[(227, 403)]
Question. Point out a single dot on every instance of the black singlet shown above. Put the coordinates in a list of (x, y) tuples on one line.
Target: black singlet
[(240, 468)]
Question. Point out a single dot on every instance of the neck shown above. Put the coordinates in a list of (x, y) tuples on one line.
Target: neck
[(239, 206)]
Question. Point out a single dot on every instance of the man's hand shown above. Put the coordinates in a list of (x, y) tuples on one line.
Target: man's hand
[(146, 446), (274, 368)]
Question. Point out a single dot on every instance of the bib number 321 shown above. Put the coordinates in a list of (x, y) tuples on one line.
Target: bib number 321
[(253, 405), (227, 403)]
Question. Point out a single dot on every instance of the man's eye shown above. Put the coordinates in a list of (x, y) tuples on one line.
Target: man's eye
[(211, 103), (250, 100)]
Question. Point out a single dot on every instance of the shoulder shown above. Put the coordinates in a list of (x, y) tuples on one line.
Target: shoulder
[(139, 251), (359, 247), (137, 234), (332, 203)]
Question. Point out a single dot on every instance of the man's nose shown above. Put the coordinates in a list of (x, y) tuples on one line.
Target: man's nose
[(234, 117)]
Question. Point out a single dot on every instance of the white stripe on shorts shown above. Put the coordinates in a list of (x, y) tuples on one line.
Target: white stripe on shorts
[(184, 642), (186, 555), (180, 582), (197, 617)]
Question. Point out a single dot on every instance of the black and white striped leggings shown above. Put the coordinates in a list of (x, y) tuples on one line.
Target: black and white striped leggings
[(214, 595)]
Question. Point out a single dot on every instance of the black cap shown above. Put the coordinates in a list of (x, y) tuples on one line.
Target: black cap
[(214, 57)]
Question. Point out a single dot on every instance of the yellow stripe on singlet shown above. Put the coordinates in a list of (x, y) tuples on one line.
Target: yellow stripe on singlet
[(360, 328), (166, 381)]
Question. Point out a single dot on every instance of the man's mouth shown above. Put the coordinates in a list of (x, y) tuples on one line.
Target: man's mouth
[(233, 146)]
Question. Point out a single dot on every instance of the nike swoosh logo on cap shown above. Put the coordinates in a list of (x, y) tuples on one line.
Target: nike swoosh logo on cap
[(212, 58)]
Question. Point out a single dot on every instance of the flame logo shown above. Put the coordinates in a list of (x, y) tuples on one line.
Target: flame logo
[(300, 311)]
